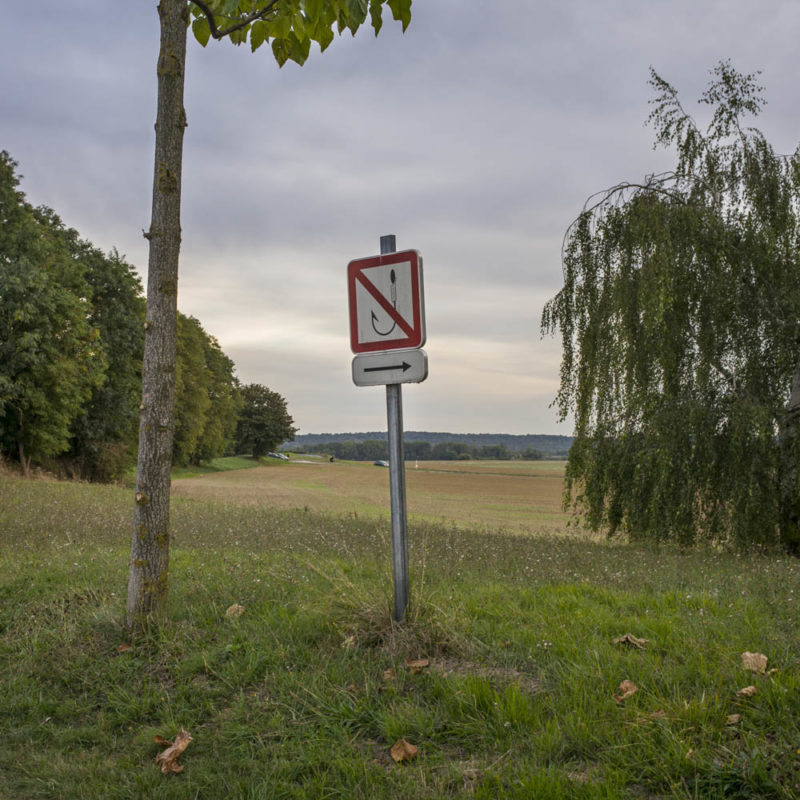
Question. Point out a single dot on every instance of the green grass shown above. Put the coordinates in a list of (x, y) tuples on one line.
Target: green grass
[(290, 700), (225, 464)]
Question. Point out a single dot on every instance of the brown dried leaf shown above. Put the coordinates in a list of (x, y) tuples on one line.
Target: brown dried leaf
[(748, 691), (626, 689), (403, 751), (234, 611), (631, 641), (388, 674), (755, 662), (416, 665), (124, 647), (169, 757), (733, 719)]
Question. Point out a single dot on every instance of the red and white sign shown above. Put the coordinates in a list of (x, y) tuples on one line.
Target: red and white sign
[(387, 309)]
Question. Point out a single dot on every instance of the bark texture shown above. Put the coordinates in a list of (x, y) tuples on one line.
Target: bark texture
[(149, 564)]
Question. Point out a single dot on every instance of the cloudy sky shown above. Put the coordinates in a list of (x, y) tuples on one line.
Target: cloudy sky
[(475, 138)]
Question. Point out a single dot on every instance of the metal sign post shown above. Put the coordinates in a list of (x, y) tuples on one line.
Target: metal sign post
[(397, 482), (387, 328)]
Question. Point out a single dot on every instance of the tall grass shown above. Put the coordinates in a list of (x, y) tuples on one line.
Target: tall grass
[(303, 695)]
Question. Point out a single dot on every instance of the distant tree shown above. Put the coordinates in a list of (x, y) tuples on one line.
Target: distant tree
[(104, 433), (680, 326), (192, 401), (50, 358), (417, 450), (218, 436), (289, 26), (264, 422)]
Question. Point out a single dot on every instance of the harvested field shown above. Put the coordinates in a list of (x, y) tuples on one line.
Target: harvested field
[(515, 496)]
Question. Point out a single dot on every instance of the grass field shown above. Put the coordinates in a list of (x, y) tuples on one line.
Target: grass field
[(304, 694), (513, 496)]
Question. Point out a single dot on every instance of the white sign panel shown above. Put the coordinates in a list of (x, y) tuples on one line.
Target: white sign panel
[(386, 302), (393, 366)]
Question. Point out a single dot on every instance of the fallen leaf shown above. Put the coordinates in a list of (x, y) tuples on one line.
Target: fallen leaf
[(234, 611), (124, 647), (388, 674), (169, 757), (626, 690), (755, 662), (748, 691), (733, 719), (416, 665), (352, 687), (403, 751), (631, 640)]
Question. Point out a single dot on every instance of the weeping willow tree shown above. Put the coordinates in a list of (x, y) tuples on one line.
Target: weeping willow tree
[(680, 324)]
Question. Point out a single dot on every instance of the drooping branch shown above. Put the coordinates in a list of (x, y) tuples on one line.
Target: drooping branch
[(618, 195), (242, 22)]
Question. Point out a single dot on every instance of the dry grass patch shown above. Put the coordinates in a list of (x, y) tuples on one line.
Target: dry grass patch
[(510, 495)]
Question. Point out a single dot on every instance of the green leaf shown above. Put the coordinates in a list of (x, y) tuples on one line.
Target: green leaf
[(323, 33), (299, 48), (357, 10), (313, 9), (281, 26), (240, 36), (201, 30), (376, 14), (401, 11), (281, 49), (258, 34)]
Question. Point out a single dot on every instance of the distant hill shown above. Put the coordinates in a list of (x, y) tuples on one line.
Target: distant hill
[(554, 446)]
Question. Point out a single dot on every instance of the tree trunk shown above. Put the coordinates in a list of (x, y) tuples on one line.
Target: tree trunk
[(149, 563), (24, 460), (790, 470)]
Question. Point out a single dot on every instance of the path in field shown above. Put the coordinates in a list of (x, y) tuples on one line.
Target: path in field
[(516, 496)]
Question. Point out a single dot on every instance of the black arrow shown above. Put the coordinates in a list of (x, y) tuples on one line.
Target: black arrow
[(404, 366)]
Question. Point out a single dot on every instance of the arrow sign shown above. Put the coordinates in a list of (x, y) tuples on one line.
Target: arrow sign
[(395, 366), (404, 366)]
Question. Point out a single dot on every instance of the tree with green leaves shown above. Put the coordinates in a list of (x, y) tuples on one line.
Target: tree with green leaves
[(50, 356), (264, 421), (289, 27), (103, 435), (680, 325), (206, 396)]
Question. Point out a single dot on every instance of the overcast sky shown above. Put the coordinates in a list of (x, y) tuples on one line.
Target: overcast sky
[(475, 138)]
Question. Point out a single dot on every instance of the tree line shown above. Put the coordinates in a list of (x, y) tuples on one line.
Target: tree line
[(378, 449), (551, 446), (72, 331)]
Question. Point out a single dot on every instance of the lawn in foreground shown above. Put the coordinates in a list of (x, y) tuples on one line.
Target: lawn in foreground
[(303, 695)]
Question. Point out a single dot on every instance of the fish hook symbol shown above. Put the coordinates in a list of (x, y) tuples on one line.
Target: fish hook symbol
[(393, 298)]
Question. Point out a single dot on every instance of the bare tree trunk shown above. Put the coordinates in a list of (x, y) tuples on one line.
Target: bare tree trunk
[(25, 461), (790, 470), (149, 564)]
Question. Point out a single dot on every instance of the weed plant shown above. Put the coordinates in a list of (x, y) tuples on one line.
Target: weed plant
[(304, 693)]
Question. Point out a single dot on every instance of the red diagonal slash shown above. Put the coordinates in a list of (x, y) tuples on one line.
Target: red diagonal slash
[(384, 304)]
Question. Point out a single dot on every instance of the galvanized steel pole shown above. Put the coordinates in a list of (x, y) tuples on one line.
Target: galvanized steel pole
[(397, 481)]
